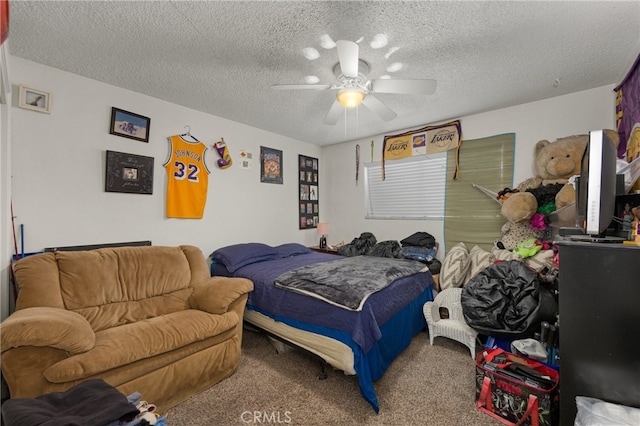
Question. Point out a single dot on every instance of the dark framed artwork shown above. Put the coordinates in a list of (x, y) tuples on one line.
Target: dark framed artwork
[(308, 192), (270, 165), (129, 125), (128, 173)]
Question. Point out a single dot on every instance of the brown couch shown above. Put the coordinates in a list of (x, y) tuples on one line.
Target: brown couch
[(147, 319)]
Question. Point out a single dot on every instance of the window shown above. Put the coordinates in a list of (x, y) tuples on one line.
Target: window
[(414, 188)]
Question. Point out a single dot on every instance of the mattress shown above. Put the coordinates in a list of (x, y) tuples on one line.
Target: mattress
[(333, 352)]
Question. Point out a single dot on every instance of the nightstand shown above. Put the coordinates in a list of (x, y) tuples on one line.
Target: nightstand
[(324, 250)]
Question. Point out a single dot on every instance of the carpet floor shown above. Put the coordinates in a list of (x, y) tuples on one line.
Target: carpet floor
[(425, 385)]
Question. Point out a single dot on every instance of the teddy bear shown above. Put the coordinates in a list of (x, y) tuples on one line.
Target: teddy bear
[(555, 163)]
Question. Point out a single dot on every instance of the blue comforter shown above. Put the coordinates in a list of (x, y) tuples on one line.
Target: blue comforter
[(363, 326)]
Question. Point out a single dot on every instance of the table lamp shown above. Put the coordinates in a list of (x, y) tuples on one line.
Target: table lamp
[(323, 230)]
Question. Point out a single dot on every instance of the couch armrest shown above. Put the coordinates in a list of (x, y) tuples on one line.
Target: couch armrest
[(217, 294), (43, 326)]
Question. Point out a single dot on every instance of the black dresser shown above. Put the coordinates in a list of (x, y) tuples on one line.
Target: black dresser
[(599, 295)]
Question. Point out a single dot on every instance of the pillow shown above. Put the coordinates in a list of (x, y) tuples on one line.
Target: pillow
[(455, 267), (236, 256), (291, 249), (480, 259), (219, 270)]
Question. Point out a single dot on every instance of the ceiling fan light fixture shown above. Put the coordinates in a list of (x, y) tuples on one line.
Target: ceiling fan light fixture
[(395, 67), (311, 79), (350, 98), (310, 53)]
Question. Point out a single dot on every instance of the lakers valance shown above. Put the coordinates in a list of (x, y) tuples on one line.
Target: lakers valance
[(427, 140)]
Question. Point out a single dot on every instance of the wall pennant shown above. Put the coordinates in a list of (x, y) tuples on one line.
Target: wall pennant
[(221, 148)]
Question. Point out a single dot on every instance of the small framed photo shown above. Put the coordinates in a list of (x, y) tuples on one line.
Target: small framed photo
[(128, 173), (270, 165), (34, 99), (129, 125)]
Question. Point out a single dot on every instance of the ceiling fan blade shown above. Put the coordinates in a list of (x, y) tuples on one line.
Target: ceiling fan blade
[(334, 113), (379, 108), (348, 56), (301, 86), (409, 87)]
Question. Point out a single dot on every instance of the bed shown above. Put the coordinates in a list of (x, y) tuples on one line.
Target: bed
[(361, 341)]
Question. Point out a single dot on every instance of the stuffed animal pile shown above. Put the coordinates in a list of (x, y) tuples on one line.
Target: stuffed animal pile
[(527, 206), (526, 209), (555, 163)]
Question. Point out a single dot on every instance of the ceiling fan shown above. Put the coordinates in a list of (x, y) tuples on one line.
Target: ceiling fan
[(354, 88)]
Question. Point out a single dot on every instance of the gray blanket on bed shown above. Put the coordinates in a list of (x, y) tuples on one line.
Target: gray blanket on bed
[(347, 282)]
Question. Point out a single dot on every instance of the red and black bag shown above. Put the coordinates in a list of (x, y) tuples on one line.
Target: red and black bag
[(516, 390)]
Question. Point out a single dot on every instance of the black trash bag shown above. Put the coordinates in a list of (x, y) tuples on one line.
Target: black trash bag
[(358, 246), (419, 239), (389, 248), (506, 301)]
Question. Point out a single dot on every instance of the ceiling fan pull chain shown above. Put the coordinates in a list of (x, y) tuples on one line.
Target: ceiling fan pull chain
[(345, 123)]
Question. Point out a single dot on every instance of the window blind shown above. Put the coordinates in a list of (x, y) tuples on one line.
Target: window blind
[(414, 188), (471, 216)]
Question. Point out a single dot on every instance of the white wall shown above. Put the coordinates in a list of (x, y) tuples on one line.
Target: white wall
[(58, 166), (547, 119), (5, 185)]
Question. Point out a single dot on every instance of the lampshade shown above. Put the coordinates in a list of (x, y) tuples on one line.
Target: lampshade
[(350, 98), (322, 229)]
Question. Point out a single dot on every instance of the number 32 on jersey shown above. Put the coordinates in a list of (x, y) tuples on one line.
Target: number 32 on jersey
[(188, 178)]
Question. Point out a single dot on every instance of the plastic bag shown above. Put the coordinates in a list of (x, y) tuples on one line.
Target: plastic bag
[(359, 245), (595, 412), (506, 301)]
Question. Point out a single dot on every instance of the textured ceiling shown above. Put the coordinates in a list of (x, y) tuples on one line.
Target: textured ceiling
[(222, 57)]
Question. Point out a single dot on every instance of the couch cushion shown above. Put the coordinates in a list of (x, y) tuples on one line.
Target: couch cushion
[(98, 277), (115, 314), (126, 344), (125, 283)]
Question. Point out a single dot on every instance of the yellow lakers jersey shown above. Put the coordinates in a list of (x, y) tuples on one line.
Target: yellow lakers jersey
[(188, 178)]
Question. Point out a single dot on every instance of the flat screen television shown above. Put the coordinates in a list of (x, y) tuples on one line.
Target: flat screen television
[(596, 187)]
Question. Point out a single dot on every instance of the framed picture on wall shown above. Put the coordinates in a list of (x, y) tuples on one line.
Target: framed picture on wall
[(308, 193), (128, 173), (34, 99), (270, 165), (129, 125)]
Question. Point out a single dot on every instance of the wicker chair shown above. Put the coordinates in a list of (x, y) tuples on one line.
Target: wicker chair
[(454, 327)]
